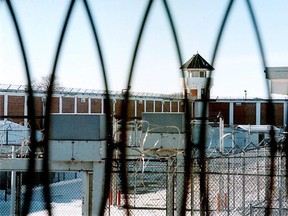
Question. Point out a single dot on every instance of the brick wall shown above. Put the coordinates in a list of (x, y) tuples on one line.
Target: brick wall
[(38, 111), (118, 106), (215, 108), (1, 106), (140, 108), (82, 105), (158, 106), (166, 106), (96, 105), (16, 108), (149, 106), (174, 106), (245, 113), (68, 105), (55, 105), (278, 114), (130, 111)]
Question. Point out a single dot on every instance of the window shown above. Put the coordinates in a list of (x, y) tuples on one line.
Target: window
[(195, 74), (202, 74)]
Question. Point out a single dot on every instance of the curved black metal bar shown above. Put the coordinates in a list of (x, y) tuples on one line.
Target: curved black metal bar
[(270, 111), (110, 144), (285, 151), (269, 114), (204, 199), (204, 205), (31, 112), (124, 110), (188, 134), (47, 113), (220, 33), (174, 33)]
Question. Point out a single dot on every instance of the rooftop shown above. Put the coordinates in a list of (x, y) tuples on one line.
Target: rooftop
[(197, 62)]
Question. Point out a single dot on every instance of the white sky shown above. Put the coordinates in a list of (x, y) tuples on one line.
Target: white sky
[(238, 66)]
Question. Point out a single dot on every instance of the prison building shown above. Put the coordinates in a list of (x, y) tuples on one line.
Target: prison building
[(13, 105)]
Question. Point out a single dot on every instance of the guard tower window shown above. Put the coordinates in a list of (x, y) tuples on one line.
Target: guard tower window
[(202, 74), (198, 74), (195, 74)]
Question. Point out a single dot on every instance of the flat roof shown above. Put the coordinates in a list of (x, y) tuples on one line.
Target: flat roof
[(276, 72)]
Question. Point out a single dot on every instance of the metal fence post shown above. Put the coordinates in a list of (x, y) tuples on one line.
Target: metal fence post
[(280, 184), (228, 184), (18, 193), (170, 187), (13, 186), (243, 184), (180, 182), (258, 181), (233, 183), (192, 181)]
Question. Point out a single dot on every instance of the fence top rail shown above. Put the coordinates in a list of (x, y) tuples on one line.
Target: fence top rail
[(81, 92), (84, 92)]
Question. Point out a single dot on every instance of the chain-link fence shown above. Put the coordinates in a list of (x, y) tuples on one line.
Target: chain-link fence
[(237, 184), (66, 193), (147, 188)]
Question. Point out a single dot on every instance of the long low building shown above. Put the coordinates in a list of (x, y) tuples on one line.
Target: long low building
[(13, 105)]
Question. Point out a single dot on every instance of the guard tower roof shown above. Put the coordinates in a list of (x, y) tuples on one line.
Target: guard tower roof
[(197, 62)]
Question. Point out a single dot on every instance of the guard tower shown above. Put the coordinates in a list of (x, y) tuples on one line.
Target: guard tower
[(197, 71), (278, 79)]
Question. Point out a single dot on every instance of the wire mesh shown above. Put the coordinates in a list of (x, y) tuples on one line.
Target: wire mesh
[(66, 192), (236, 185)]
